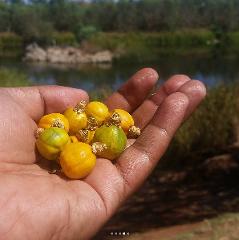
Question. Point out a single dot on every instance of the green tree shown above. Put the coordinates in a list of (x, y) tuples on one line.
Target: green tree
[(30, 24)]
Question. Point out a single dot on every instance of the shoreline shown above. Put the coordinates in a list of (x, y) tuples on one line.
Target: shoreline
[(141, 46)]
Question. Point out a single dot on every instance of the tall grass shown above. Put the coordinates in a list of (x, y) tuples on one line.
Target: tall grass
[(184, 38), (145, 46), (233, 42), (63, 38), (209, 130)]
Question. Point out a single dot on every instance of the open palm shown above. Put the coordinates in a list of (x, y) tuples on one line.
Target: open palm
[(38, 205)]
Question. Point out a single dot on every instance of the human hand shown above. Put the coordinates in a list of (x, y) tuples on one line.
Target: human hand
[(38, 205)]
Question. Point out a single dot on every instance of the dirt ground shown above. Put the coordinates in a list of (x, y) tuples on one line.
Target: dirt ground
[(164, 233), (225, 227), (173, 201)]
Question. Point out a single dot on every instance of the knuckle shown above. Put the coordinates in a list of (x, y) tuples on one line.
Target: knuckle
[(177, 100), (175, 82)]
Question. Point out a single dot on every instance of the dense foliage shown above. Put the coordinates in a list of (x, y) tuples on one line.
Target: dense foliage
[(39, 19), (209, 131)]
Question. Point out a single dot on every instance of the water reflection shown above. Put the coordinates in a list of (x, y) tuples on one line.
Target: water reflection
[(210, 70)]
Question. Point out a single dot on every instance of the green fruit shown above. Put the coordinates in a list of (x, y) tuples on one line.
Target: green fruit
[(113, 138)]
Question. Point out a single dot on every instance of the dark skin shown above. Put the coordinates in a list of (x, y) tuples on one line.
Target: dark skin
[(39, 205)]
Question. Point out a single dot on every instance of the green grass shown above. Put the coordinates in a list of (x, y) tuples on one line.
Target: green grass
[(147, 46), (63, 39), (185, 38), (11, 45), (10, 41), (12, 78)]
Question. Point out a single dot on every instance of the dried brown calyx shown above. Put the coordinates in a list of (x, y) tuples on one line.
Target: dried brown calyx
[(98, 147), (82, 135), (38, 132), (80, 107), (134, 132), (92, 123), (55, 167), (114, 119), (58, 123)]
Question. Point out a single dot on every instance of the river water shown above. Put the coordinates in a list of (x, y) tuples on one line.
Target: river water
[(211, 70)]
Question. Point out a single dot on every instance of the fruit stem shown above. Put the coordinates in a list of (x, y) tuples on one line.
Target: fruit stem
[(55, 171), (80, 107), (98, 147), (134, 132), (58, 123), (82, 135), (115, 119), (38, 132), (92, 124)]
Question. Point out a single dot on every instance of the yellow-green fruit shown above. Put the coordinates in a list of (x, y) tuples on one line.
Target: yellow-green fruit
[(114, 138), (98, 110), (77, 120), (51, 141), (77, 160)]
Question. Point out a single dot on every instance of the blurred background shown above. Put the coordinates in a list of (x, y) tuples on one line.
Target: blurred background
[(97, 45)]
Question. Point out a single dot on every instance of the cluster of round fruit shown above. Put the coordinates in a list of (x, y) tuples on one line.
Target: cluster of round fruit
[(81, 134)]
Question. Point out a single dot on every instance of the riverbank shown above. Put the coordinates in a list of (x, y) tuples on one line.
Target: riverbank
[(144, 46), (137, 46)]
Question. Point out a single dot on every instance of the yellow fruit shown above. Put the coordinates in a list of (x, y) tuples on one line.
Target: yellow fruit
[(126, 119), (77, 120), (109, 142), (90, 136), (74, 139), (77, 160), (97, 110), (54, 120), (51, 141)]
